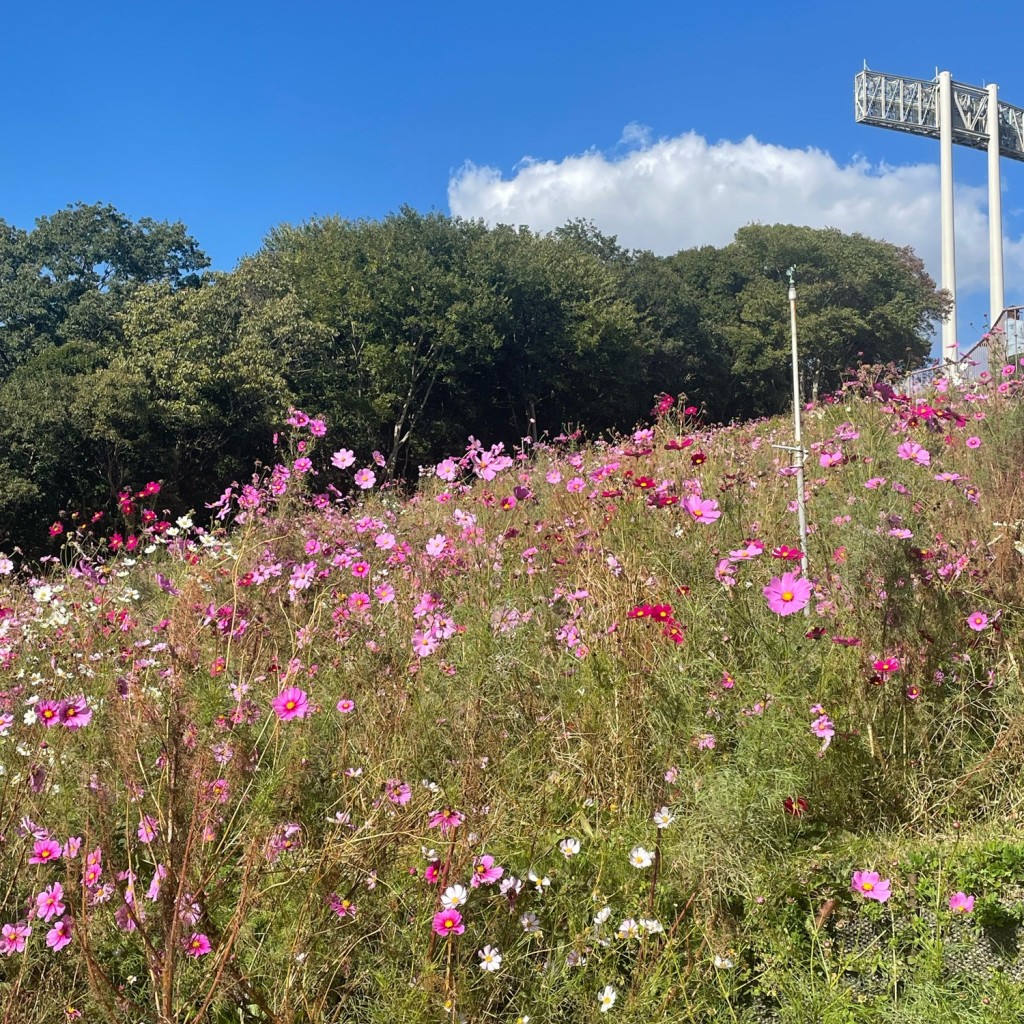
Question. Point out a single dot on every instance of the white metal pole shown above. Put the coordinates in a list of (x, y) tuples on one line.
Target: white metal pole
[(949, 345), (798, 438), (995, 212)]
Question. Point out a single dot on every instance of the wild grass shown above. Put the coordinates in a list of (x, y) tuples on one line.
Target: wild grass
[(548, 661)]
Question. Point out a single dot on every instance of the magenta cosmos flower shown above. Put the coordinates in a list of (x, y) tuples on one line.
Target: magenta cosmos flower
[(197, 945), (870, 885), (961, 903), (44, 851), (448, 922), (787, 594), (291, 703)]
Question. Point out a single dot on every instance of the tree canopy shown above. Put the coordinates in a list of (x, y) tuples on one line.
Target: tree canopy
[(121, 360)]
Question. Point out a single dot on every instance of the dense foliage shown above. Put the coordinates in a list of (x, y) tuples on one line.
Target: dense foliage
[(567, 732), (120, 357)]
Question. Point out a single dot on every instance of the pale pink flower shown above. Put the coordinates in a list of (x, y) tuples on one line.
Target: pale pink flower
[(343, 458), (365, 479)]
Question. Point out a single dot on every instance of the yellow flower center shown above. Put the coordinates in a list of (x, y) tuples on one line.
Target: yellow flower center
[(787, 595), (867, 886)]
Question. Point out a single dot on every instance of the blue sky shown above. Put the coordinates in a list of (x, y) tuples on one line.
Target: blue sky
[(234, 118)]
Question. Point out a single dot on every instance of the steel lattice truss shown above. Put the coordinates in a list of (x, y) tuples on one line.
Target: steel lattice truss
[(912, 105)]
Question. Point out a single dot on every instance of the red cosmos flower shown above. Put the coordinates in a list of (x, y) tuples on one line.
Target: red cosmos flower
[(645, 482), (847, 641), (698, 458), (661, 612), (56, 529), (797, 807), (786, 553), (816, 633), (663, 500), (675, 632), (886, 666), (637, 453), (640, 611), (617, 493), (677, 446)]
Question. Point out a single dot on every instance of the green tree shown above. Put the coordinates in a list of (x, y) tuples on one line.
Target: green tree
[(408, 325), (860, 301), (67, 277)]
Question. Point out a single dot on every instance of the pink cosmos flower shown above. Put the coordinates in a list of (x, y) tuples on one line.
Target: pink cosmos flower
[(913, 452), (342, 907), (702, 510), (197, 945), (148, 828), (445, 819), (343, 458), (448, 922), (49, 711), (485, 871), (787, 594), (76, 713), (397, 791), (291, 703), (346, 706), (48, 902), (44, 851), (365, 479), (973, 442), (436, 545), (59, 935), (886, 666), (13, 938), (871, 885), (977, 621), (823, 728), (961, 903)]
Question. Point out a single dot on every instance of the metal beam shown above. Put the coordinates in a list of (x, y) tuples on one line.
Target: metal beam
[(911, 105)]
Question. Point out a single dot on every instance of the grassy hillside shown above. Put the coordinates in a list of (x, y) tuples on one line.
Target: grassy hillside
[(567, 733)]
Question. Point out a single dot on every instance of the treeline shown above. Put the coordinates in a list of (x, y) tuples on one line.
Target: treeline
[(122, 359)]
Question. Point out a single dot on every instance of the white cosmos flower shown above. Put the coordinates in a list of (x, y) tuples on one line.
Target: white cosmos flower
[(530, 923), (606, 998), (454, 896), (490, 959), (602, 915), (569, 847), (641, 858), (540, 882), (663, 818)]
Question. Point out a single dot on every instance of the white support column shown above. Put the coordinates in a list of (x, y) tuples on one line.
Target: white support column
[(949, 346), (995, 212)]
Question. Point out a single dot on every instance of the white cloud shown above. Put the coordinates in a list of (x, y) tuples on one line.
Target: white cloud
[(680, 192)]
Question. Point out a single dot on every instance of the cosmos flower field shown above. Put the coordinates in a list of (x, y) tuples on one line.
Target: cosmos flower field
[(566, 734)]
